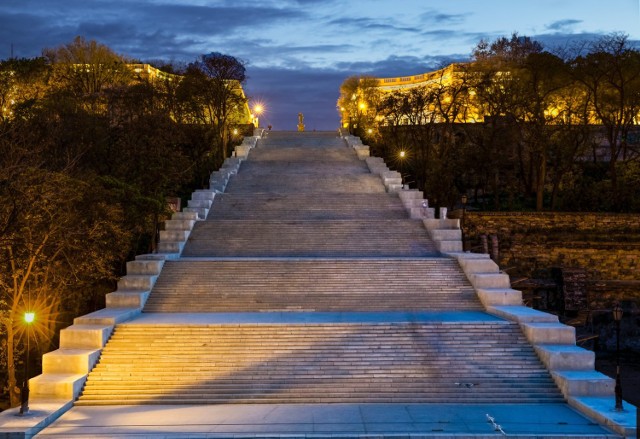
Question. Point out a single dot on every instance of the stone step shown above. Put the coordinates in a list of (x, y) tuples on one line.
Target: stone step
[(565, 357), (137, 282), (179, 224), (184, 216), (499, 296), (171, 246), (174, 235), (404, 362), (203, 195), (294, 183), (490, 280), (84, 336), (127, 299), (200, 203), (318, 285), (69, 361), (201, 212), (549, 333), (307, 206), (291, 238), (56, 385), (144, 267)]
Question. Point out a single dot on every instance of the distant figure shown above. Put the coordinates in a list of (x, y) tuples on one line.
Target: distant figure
[(269, 127), (300, 122)]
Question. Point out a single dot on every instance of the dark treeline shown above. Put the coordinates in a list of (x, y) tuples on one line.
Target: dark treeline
[(89, 153), (516, 128)]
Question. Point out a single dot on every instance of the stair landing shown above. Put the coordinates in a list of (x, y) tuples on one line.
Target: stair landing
[(319, 421)]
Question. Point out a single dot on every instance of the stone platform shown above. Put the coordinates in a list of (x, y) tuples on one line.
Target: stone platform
[(347, 421)]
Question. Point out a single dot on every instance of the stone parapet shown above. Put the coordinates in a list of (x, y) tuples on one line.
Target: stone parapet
[(571, 367)]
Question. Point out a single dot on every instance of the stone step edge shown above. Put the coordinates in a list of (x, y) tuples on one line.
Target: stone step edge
[(600, 409), (42, 413), (571, 367)]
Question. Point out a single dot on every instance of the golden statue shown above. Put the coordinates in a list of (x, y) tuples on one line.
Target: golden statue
[(300, 122)]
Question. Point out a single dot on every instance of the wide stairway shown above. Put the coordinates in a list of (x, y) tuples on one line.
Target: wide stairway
[(319, 363), (312, 285), (308, 283)]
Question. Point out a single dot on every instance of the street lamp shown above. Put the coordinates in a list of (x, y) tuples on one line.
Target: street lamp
[(29, 318), (464, 211), (617, 317), (403, 154), (257, 109)]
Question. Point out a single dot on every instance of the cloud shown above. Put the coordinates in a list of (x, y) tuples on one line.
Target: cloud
[(142, 28), (400, 65), (359, 24), (443, 19), (562, 25)]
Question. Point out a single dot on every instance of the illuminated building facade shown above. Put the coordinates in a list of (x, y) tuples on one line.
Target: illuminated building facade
[(152, 74)]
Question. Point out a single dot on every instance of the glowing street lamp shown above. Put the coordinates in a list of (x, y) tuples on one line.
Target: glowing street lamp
[(258, 108), (402, 155), (29, 318)]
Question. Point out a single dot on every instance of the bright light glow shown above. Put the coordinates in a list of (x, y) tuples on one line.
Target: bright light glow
[(362, 105), (235, 131), (258, 108), (369, 131), (402, 154), (29, 316)]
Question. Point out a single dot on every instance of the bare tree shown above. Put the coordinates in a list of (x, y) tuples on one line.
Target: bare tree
[(87, 68), (218, 79), (611, 74)]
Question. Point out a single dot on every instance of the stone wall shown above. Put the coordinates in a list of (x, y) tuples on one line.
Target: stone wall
[(531, 244)]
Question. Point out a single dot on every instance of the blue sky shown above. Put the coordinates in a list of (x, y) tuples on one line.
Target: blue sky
[(299, 51)]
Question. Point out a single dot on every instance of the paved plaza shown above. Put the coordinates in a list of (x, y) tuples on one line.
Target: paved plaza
[(336, 420)]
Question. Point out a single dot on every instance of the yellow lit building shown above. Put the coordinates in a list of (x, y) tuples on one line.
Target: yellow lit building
[(148, 72), (443, 83), (445, 76)]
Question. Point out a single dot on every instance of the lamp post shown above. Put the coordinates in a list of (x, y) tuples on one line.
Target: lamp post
[(29, 318), (463, 199), (403, 154), (617, 317), (257, 109)]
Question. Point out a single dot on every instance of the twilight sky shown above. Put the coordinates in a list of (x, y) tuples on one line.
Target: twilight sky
[(299, 51)]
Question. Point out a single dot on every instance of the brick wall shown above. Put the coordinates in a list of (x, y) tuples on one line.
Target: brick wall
[(606, 245)]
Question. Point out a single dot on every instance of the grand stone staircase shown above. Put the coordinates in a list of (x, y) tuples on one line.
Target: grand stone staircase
[(305, 276), (339, 285), (308, 229), (319, 363)]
